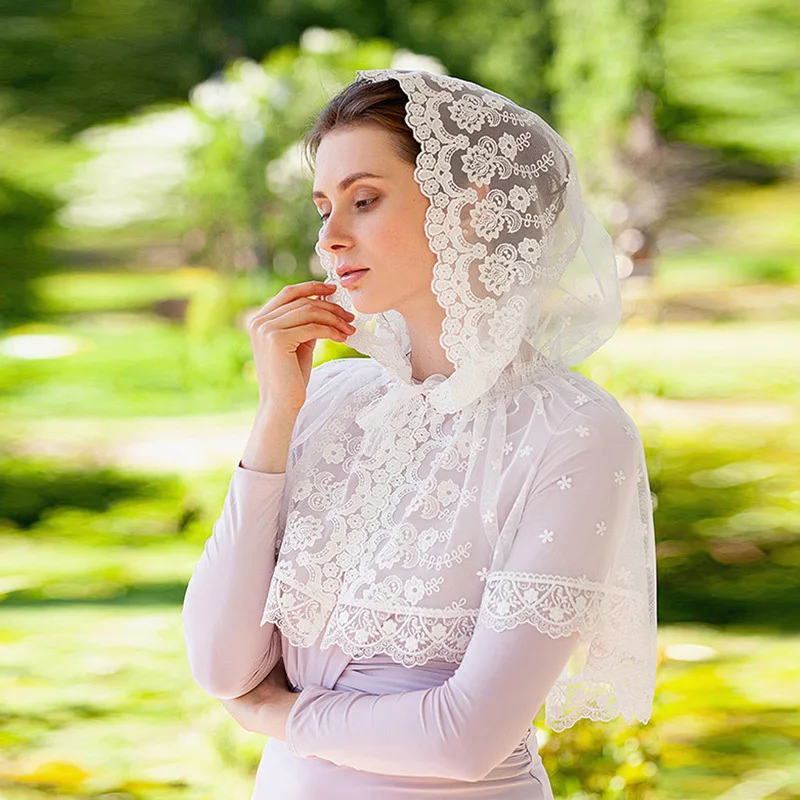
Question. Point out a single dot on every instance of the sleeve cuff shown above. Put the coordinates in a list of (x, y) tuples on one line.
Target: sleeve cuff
[(294, 739), (243, 473)]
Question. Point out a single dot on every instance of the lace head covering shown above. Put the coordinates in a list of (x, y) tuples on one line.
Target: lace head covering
[(524, 271), (415, 511)]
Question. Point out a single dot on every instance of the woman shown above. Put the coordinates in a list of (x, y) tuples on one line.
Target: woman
[(440, 538)]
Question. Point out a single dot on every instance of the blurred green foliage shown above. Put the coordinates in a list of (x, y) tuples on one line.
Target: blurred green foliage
[(126, 542), (24, 218), (120, 547), (729, 82), (99, 332), (246, 189), (31, 491), (727, 518), (96, 699), (605, 52), (74, 64), (726, 62), (707, 362), (714, 76), (141, 364), (728, 521)]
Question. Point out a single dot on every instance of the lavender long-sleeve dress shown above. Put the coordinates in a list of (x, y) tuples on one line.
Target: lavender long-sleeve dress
[(373, 728)]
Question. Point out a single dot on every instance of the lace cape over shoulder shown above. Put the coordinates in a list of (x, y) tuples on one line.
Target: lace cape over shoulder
[(373, 563)]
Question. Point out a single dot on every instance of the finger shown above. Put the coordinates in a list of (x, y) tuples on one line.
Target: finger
[(304, 333), (308, 302), (294, 291), (299, 316)]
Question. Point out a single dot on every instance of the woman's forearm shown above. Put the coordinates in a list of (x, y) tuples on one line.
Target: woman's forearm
[(229, 651), (265, 708), (460, 730), (267, 448)]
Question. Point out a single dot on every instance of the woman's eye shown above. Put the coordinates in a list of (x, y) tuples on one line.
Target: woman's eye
[(358, 204)]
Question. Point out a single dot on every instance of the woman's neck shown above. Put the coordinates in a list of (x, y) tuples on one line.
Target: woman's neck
[(424, 324)]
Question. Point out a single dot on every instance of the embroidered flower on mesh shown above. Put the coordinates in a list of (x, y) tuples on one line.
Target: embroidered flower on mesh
[(487, 216), (508, 145), (468, 112), (519, 198), (481, 161)]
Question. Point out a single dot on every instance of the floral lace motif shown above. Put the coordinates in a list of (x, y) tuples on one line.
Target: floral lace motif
[(586, 697), (411, 637), (557, 605), (341, 532)]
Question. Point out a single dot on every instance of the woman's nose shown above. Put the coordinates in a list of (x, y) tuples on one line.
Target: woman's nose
[(334, 235)]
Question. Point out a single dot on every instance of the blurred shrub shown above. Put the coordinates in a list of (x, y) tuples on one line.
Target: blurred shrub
[(54, 500), (602, 761), (727, 87), (728, 527)]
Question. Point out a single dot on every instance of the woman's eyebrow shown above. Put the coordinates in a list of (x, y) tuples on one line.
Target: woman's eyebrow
[(345, 182)]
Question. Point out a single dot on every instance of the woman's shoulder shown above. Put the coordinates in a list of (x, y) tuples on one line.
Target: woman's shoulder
[(331, 385), (574, 401)]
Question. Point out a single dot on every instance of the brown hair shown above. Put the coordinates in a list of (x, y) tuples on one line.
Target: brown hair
[(383, 103)]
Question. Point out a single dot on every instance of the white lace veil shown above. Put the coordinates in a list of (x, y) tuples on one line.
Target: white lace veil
[(374, 519), (524, 271)]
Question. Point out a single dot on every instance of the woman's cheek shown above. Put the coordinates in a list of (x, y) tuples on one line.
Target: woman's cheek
[(386, 234)]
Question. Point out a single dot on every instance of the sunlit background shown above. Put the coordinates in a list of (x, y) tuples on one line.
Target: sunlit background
[(152, 196)]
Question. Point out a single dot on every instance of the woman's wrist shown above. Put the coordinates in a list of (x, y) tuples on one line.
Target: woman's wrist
[(277, 714), (267, 447), (264, 715)]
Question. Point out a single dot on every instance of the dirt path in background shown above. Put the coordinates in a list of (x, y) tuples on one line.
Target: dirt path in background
[(152, 444), (200, 443)]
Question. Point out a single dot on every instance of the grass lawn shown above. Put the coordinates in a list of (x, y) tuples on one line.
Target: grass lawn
[(98, 702)]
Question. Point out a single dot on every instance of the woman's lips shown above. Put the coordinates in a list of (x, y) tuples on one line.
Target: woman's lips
[(353, 278)]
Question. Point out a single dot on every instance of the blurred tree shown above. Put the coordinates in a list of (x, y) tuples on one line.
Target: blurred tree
[(624, 80), (88, 62), (599, 66), (226, 168), (727, 62), (25, 217), (504, 46), (731, 80), (247, 191), (28, 214), (604, 72)]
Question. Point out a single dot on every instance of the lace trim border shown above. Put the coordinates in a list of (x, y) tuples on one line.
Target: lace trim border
[(556, 606)]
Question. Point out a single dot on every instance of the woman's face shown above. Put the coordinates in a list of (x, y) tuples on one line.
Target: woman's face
[(374, 215)]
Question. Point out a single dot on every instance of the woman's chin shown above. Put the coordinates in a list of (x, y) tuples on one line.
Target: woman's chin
[(363, 304)]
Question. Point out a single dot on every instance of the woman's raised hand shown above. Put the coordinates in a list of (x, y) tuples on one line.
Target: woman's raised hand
[(283, 334)]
